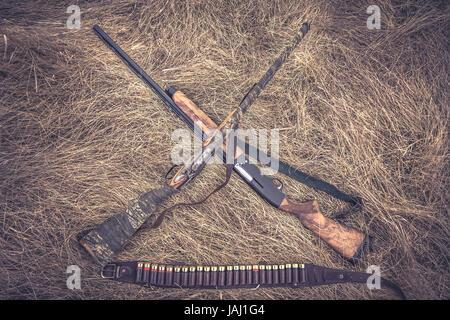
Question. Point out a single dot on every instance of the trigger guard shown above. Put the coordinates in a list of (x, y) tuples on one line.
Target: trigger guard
[(280, 187), (170, 170)]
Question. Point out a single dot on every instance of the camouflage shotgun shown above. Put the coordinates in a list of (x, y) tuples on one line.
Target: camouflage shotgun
[(108, 238)]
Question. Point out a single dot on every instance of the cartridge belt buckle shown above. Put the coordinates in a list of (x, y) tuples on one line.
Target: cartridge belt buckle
[(109, 265)]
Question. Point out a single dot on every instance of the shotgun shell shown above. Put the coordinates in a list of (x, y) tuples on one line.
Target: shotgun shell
[(288, 273), (255, 274), (242, 277), (140, 267), (199, 276), (281, 271), (269, 274), (191, 277), (169, 276), (249, 274), (177, 276), (302, 273), (221, 277), (262, 274), (229, 276), (146, 273), (213, 276), (295, 274), (184, 276), (236, 275), (207, 276), (276, 276), (153, 273), (161, 275)]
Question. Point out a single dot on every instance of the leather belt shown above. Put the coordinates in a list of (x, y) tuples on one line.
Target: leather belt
[(228, 277)]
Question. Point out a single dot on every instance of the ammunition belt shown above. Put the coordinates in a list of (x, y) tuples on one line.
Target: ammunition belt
[(228, 277)]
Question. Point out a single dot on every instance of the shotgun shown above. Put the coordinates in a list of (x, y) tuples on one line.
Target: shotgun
[(107, 239)]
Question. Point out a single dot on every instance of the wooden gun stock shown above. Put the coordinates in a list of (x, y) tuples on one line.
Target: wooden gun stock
[(346, 241)]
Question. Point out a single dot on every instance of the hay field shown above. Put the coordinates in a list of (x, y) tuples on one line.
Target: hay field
[(81, 136)]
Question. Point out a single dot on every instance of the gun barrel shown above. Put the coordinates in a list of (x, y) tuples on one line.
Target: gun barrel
[(142, 75), (261, 84)]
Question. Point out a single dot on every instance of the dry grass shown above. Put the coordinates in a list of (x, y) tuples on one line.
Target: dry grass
[(81, 136)]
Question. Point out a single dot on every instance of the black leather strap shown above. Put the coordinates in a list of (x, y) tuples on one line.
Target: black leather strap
[(232, 277), (307, 179)]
